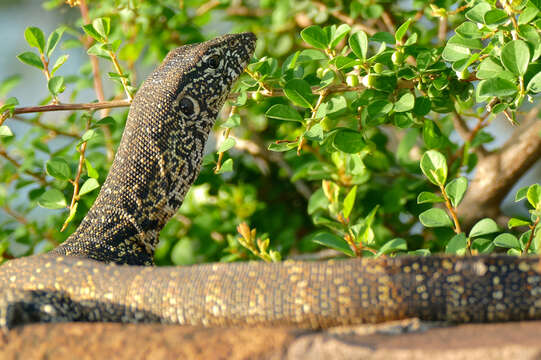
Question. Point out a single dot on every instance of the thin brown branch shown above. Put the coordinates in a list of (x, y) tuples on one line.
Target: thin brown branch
[(31, 227), (71, 107), (388, 20), (98, 85), (497, 173), (39, 177), (532, 228), (75, 182), (47, 127), (344, 18), (442, 29)]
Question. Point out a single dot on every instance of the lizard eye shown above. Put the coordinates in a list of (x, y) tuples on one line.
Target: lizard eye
[(186, 106), (214, 61)]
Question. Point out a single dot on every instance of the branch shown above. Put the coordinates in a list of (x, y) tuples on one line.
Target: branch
[(71, 107), (47, 127), (30, 226), (15, 163), (498, 172), (98, 85)]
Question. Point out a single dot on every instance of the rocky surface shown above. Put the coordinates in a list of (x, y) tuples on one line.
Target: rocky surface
[(410, 339)]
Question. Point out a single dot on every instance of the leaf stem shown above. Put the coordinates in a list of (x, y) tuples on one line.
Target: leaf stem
[(451, 210), (75, 196), (529, 243)]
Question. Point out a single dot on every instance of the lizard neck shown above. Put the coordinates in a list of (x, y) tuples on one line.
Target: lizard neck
[(155, 165)]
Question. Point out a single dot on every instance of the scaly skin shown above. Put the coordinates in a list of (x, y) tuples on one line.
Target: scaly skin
[(157, 161), (318, 294)]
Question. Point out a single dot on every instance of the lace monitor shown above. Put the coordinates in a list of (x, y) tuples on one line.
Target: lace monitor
[(98, 274)]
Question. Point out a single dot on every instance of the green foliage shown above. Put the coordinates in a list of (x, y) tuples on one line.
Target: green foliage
[(323, 135)]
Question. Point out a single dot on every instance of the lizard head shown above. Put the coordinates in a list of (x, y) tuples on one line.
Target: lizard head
[(196, 79)]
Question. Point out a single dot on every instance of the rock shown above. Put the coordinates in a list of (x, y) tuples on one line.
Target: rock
[(409, 339)]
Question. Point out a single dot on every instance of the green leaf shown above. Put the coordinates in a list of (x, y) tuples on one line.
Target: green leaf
[(334, 242), (514, 222), (379, 108), (318, 201), (527, 15), (456, 189), (56, 85), (102, 26), (428, 197), (458, 40), (489, 68), (52, 199), (227, 166), (434, 166), (391, 246), (507, 241), (405, 103), (90, 171), (348, 141), (283, 112), (435, 217), (59, 62), (89, 134), (383, 37), (516, 56), (9, 105), (496, 87), (534, 85), (232, 122), (358, 43), (422, 106), (457, 244), (5, 131), (469, 30), (339, 34), (90, 31), (349, 201), (534, 196), (521, 193), (30, 58), (106, 121), (401, 31), (35, 38), (72, 213), (299, 92), (495, 17), (477, 13), (9, 83), (227, 144), (53, 40), (88, 186), (282, 146), (484, 227), (58, 168), (315, 133), (315, 36), (454, 52)]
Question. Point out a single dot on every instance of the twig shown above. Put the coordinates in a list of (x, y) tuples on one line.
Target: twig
[(75, 182), (24, 221), (71, 107), (48, 127), (15, 163), (98, 85), (345, 18), (532, 228)]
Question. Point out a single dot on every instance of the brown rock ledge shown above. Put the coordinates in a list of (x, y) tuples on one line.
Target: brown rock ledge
[(409, 339)]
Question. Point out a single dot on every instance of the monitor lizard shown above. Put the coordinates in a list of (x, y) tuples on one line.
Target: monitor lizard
[(99, 272)]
